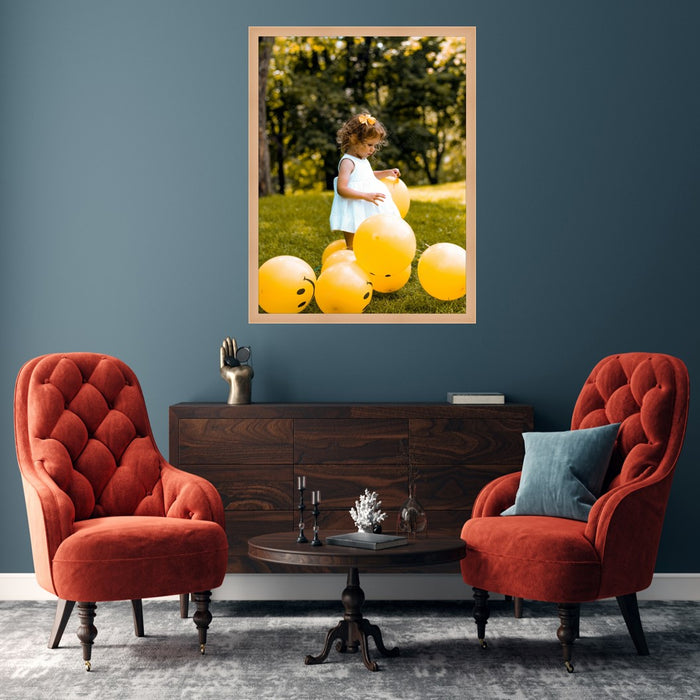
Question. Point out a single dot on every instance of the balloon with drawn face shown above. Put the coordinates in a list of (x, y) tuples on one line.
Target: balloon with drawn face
[(285, 285), (390, 283), (384, 244), (343, 288)]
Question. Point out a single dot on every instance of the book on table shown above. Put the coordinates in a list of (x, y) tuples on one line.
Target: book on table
[(367, 540), (475, 397)]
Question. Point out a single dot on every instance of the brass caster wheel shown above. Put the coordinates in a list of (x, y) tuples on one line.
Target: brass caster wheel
[(202, 648), (569, 667), (87, 666), (483, 644)]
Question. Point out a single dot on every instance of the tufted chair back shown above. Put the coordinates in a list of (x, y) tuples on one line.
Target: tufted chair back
[(647, 394), (87, 430)]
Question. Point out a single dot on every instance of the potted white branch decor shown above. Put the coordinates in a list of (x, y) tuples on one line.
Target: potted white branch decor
[(366, 514)]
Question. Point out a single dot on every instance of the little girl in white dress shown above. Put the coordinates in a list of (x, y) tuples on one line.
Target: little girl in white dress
[(359, 191)]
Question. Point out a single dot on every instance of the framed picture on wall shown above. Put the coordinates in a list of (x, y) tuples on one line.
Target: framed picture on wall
[(362, 166)]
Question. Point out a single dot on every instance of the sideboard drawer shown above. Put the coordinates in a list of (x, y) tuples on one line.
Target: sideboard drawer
[(245, 441), (460, 441), (251, 487), (350, 441)]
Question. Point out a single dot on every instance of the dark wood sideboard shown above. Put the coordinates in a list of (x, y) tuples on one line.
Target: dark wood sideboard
[(254, 453)]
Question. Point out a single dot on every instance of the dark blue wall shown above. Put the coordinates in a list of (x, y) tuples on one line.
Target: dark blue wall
[(123, 210)]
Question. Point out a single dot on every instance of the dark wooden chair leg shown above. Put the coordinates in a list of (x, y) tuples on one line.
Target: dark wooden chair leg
[(64, 608), (202, 616), (137, 609), (568, 618), (184, 605), (576, 622), (87, 630), (630, 612), (518, 607), (481, 614)]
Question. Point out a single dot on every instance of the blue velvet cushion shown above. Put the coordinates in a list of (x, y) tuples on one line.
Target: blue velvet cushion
[(563, 472)]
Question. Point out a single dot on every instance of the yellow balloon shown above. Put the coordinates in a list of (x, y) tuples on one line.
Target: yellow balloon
[(384, 244), (343, 255), (332, 248), (399, 193), (343, 288), (442, 271), (285, 285), (390, 283)]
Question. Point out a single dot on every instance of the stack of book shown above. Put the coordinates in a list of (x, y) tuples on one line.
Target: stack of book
[(367, 540), (475, 397)]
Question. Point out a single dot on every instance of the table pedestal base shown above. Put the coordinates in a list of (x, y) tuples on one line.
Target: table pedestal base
[(353, 630)]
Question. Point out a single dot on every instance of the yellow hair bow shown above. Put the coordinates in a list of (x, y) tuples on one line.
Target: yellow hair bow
[(366, 119)]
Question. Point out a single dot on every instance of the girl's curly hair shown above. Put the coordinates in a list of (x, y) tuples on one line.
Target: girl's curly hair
[(359, 129)]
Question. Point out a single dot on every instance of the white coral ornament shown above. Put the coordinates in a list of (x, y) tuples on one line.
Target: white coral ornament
[(366, 514)]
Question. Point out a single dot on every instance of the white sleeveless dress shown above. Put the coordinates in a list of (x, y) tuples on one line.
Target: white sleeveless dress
[(347, 214)]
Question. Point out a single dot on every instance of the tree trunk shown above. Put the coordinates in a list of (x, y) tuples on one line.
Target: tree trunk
[(264, 178)]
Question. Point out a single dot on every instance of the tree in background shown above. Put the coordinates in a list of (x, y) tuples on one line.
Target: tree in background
[(425, 106), (414, 85)]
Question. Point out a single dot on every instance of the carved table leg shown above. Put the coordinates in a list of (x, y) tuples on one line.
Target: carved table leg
[(352, 631), (87, 630)]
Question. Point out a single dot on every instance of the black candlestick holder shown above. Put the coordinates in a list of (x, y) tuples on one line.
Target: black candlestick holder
[(316, 542), (302, 538)]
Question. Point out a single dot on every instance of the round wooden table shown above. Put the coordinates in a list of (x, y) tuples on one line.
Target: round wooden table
[(353, 630)]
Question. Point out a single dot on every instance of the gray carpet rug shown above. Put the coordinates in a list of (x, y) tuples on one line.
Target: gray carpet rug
[(256, 650)]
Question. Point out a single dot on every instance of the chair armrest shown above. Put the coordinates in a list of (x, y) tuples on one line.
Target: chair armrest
[(625, 526), (188, 495), (496, 496), (51, 516)]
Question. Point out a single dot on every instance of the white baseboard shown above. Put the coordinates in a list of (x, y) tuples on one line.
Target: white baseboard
[(375, 586)]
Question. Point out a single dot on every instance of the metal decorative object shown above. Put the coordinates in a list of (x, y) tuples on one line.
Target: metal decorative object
[(234, 368), (302, 486), (315, 500)]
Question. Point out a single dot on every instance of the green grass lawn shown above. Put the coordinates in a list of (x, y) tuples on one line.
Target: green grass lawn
[(298, 225)]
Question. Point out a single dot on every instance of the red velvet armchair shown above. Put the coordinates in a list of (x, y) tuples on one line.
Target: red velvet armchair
[(613, 553), (109, 518)]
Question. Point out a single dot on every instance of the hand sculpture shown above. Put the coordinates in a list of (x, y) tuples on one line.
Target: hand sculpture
[(234, 371)]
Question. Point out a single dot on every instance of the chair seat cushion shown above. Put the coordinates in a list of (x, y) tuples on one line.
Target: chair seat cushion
[(131, 557), (536, 557)]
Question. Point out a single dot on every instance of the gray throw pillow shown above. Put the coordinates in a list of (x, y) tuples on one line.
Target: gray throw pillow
[(563, 472)]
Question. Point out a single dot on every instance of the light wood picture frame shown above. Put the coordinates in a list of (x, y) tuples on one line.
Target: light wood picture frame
[(304, 83)]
